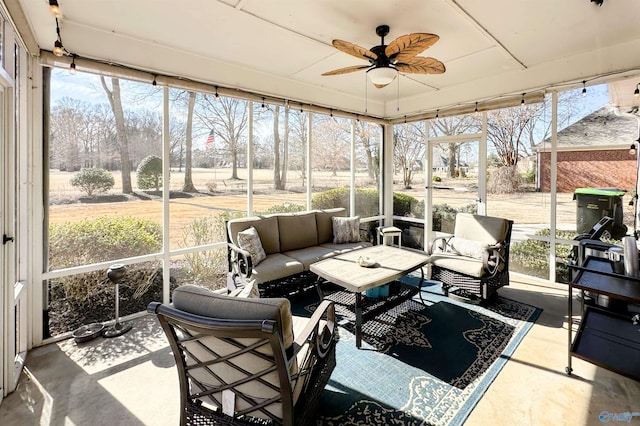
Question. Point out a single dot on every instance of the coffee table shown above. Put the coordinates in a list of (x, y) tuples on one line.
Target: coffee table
[(391, 264)]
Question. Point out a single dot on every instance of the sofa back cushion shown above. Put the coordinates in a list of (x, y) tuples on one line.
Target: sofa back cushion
[(325, 224), (485, 229), (297, 231), (267, 228)]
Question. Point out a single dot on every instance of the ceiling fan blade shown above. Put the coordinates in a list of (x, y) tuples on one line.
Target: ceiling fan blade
[(410, 45), (346, 70), (421, 65), (354, 50)]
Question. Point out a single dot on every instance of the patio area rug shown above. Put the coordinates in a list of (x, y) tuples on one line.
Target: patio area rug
[(419, 364)]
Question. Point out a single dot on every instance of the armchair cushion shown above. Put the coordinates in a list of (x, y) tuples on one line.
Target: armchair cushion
[(462, 264), (201, 301), (487, 229), (249, 240)]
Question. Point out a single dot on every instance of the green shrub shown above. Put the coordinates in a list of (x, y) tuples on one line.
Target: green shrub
[(403, 204), (367, 201), (436, 178), (103, 238), (149, 173), (444, 216), (529, 176), (285, 208), (336, 197), (93, 180), (97, 240), (532, 256)]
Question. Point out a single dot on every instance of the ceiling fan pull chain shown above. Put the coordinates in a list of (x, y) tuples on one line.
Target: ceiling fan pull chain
[(366, 98), (398, 92)]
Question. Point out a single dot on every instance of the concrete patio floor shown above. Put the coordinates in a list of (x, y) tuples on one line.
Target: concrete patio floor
[(131, 380)]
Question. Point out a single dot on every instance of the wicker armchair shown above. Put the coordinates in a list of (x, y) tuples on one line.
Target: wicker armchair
[(474, 262), (247, 361)]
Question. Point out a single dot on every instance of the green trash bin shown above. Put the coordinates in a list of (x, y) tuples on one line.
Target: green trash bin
[(594, 204)]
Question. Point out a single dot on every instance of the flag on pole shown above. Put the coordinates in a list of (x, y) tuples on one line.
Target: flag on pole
[(210, 138)]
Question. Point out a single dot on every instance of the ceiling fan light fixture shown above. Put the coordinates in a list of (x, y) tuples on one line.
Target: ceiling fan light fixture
[(382, 76)]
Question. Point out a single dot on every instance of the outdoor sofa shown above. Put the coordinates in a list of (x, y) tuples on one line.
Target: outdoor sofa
[(277, 261)]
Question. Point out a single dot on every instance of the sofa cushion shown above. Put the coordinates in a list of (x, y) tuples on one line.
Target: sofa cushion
[(274, 267), (346, 247), (310, 255), (346, 229), (249, 240), (324, 223), (297, 231), (267, 228), (201, 301)]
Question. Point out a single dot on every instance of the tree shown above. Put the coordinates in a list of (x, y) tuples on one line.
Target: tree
[(280, 168), (150, 173), (365, 136), (408, 149), (514, 131), (330, 145), (450, 126), (188, 181), (298, 143), (93, 180), (115, 101), (229, 116), (506, 130)]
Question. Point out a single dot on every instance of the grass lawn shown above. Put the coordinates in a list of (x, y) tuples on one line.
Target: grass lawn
[(68, 204)]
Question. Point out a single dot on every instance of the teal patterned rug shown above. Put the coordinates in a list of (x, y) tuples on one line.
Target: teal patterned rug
[(419, 364)]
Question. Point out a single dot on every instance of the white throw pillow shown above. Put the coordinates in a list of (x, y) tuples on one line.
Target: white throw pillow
[(249, 240), (346, 229), (469, 248)]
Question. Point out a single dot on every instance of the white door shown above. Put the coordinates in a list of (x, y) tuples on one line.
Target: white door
[(11, 296), (455, 168)]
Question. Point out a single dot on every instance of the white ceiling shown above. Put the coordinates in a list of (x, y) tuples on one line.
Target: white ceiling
[(491, 48)]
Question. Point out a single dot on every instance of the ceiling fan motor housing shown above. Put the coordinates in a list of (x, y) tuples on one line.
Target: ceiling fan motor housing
[(382, 60)]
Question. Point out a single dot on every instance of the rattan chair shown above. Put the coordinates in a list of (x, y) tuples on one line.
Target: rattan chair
[(473, 263), (247, 361)]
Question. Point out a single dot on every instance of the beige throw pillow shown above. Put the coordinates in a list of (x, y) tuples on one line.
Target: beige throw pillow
[(249, 240), (469, 248), (346, 229)]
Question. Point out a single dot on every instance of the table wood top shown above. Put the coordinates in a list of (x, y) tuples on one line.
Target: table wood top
[(391, 264)]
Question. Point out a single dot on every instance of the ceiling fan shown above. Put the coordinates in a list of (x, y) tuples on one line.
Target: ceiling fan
[(385, 61)]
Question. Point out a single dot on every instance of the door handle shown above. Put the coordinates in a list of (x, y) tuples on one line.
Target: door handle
[(6, 239)]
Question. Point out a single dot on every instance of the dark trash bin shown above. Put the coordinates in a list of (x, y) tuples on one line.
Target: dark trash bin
[(594, 204)]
